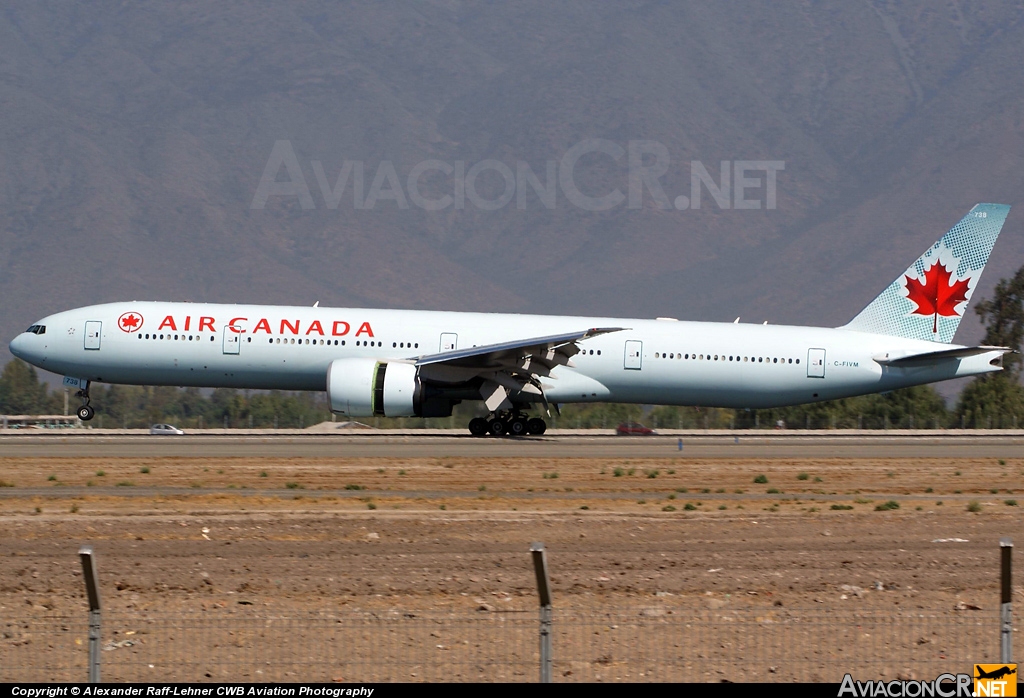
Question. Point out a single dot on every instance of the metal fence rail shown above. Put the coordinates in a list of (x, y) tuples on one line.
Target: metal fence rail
[(637, 644)]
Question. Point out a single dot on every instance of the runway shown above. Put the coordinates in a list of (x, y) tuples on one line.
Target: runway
[(410, 445)]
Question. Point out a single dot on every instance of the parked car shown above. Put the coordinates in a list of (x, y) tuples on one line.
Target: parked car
[(165, 430), (634, 429)]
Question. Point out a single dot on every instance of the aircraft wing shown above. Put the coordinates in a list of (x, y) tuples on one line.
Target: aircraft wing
[(932, 357), (515, 366)]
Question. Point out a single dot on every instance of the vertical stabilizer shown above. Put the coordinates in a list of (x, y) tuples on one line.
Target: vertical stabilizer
[(929, 299)]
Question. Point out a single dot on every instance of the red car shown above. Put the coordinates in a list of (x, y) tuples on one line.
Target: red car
[(634, 429)]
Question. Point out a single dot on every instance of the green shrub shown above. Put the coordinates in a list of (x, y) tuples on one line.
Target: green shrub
[(1010, 502), (347, 487), (803, 476), (761, 479), (841, 507), (974, 506), (668, 507), (689, 507), (888, 506)]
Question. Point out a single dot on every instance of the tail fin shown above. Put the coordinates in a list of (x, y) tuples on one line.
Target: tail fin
[(929, 299)]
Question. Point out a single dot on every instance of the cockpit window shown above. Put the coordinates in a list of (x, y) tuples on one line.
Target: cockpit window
[(37, 329)]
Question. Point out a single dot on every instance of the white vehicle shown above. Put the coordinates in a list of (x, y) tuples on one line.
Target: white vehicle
[(165, 430), (403, 363)]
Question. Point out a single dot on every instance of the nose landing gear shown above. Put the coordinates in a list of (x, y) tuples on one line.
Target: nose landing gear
[(513, 422), (85, 412)]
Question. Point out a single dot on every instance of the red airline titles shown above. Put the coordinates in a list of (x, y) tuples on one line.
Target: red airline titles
[(339, 328)]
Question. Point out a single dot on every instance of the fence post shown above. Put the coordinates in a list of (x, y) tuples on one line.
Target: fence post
[(92, 591), (540, 567), (1006, 601)]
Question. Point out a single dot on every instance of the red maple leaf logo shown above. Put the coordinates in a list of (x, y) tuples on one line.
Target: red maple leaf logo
[(129, 322), (936, 296)]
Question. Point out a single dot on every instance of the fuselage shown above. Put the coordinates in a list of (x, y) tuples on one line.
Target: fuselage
[(650, 361)]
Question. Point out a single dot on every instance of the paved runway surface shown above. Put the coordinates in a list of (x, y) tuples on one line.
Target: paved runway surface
[(559, 446)]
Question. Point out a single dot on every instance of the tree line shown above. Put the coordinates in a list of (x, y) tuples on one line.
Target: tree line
[(992, 401)]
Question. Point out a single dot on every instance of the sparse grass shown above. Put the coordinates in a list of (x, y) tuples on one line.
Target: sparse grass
[(263, 473), (1002, 461), (818, 479), (682, 490), (371, 506), (722, 507), (380, 471), (938, 503), (443, 507), (5, 483), (720, 490), (651, 474), (994, 491), (618, 472), (482, 488), (1010, 502), (88, 483), (74, 509), (52, 478), (803, 476), (144, 470), (550, 476), (861, 500), (671, 472), (974, 506), (890, 474), (738, 491), (641, 501), (918, 508), (294, 486), (761, 479), (39, 510), (126, 483), (772, 490), (929, 490), (668, 507), (401, 472), (706, 490), (689, 507), (585, 507), (354, 487), (196, 485), (101, 473), (841, 507), (671, 496), (888, 506), (958, 491), (957, 472), (220, 472), (631, 471)]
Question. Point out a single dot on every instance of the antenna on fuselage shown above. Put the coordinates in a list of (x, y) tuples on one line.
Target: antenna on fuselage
[(736, 321), (317, 304)]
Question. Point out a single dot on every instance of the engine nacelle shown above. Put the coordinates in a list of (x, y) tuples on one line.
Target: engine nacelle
[(372, 388)]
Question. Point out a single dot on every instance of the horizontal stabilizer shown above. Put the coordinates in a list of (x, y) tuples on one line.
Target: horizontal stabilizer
[(931, 357)]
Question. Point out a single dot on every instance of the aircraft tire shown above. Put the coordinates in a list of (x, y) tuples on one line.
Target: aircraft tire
[(478, 426), (518, 427), (497, 427), (85, 413), (536, 426)]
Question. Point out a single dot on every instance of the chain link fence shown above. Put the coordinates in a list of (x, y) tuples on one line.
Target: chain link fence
[(637, 644)]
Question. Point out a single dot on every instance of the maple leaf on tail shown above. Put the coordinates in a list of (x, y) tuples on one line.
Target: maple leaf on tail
[(935, 296)]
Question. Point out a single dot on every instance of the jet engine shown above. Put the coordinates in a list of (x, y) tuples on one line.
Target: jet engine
[(375, 388)]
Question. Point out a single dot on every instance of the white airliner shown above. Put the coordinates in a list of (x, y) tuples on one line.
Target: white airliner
[(402, 363)]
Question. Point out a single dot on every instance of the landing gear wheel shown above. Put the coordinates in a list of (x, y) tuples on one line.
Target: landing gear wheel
[(536, 426), (497, 427), (518, 426), (85, 413), (478, 426)]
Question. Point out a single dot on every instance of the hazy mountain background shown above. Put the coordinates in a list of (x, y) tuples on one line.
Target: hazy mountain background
[(133, 137)]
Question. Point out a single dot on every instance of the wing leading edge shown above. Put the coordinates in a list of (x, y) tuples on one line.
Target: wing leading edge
[(514, 366)]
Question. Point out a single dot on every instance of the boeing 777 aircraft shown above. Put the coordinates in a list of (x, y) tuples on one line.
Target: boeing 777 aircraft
[(403, 363)]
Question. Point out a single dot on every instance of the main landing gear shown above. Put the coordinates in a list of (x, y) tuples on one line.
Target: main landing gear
[(501, 423), (85, 412)]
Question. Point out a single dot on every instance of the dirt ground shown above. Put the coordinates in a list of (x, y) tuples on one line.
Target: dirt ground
[(429, 534), (420, 532)]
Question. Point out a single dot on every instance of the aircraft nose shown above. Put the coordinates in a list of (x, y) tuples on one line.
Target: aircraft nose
[(18, 346)]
